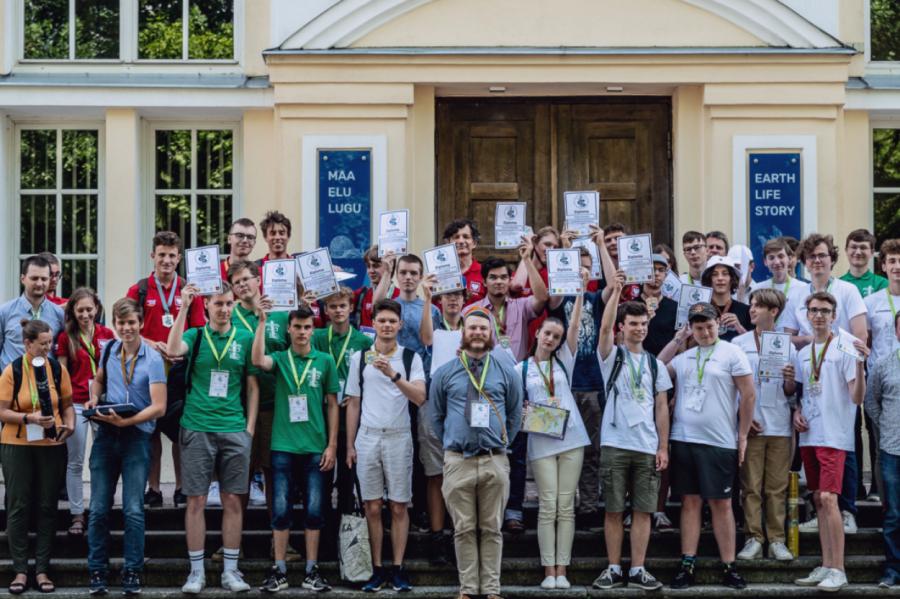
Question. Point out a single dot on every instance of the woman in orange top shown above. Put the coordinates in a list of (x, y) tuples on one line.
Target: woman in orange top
[(34, 463)]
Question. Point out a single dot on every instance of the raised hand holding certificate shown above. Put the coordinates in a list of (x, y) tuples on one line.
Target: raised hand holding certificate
[(582, 210), (564, 272), (316, 273), (671, 287), (280, 283), (845, 341), (774, 354), (636, 258), (596, 265), (202, 269), (393, 232), (690, 295), (509, 225), (443, 262)]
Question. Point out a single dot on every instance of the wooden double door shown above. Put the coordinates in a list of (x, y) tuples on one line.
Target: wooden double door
[(533, 150)]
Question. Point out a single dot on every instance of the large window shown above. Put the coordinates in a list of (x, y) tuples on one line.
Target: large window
[(885, 29), (194, 183), (170, 30), (886, 179), (58, 191)]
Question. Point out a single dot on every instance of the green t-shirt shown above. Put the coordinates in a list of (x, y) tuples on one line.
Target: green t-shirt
[(357, 342), (867, 284), (321, 378), (277, 339), (218, 414)]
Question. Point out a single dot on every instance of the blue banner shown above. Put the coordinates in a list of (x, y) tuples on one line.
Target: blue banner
[(345, 208), (774, 202)]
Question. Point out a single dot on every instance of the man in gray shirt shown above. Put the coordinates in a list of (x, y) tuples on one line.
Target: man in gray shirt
[(882, 404), (32, 305), (475, 407)]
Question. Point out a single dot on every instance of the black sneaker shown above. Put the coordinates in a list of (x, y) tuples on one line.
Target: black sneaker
[(275, 581), (731, 578), (179, 498), (609, 579), (420, 521), (315, 581), (131, 583), (401, 580), (437, 555), (644, 580), (377, 582), (153, 498), (685, 576), (98, 583)]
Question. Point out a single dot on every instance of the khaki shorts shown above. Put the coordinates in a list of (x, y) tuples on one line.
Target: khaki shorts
[(622, 472), (431, 450), (227, 455), (260, 453), (384, 460)]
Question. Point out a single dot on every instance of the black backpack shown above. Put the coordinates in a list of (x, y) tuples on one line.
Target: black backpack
[(55, 370), (617, 369), (143, 287), (408, 357), (525, 372)]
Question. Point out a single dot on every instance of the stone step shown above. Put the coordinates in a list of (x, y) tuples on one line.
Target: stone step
[(516, 571), (531, 592), (256, 544)]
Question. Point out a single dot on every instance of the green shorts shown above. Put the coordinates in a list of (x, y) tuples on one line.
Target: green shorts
[(622, 472)]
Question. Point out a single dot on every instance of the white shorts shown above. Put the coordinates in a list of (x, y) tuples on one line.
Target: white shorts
[(384, 459)]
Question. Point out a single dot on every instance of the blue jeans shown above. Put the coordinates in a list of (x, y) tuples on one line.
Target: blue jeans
[(517, 472), (890, 477), (116, 451), (847, 498), (282, 481)]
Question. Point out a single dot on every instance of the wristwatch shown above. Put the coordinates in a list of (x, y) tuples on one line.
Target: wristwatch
[(396, 377)]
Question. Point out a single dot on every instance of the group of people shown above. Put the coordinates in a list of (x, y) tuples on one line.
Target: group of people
[(392, 392)]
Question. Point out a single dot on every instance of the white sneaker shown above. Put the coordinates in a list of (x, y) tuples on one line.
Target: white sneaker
[(196, 582), (661, 522), (752, 550), (549, 583), (234, 582), (563, 583), (815, 577), (811, 525), (780, 552), (626, 522), (850, 527), (835, 581), (257, 494), (212, 496)]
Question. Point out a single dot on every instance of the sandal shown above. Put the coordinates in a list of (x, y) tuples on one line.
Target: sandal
[(46, 586), (17, 587), (76, 529)]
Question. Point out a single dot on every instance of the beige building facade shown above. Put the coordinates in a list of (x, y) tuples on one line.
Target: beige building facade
[(463, 103)]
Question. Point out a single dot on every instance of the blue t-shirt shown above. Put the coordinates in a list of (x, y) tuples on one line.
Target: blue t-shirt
[(409, 333), (148, 369), (587, 376)]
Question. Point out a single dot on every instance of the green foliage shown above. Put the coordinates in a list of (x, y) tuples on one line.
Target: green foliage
[(885, 23), (210, 30), (160, 30), (97, 29), (886, 167), (46, 29), (37, 156), (211, 35)]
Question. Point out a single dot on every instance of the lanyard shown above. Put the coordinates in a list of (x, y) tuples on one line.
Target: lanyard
[(340, 357), (447, 324), (787, 286), (637, 377), (237, 310), (701, 363), (126, 376), (31, 385), (479, 385), (298, 381), (547, 377), (500, 318), (891, 302), (812, 289), (89, 347), (816, 365), (162, 296), (212, 347)]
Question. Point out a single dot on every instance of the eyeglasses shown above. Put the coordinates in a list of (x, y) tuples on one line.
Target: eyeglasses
[(244, 236), (819, 257), (820, 311), (55, 275), (694, 248)]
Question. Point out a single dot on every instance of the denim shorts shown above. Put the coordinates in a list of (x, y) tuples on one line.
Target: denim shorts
[(282, 482)]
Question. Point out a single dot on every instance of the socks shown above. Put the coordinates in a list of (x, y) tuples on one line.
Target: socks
[(281, 565), (615, 569), (231, 558), (635, 571), (196, 558), (688, 561), (310, 564)]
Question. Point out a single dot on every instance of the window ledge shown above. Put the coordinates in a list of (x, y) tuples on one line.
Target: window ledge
[(106, 68), (154, 78)]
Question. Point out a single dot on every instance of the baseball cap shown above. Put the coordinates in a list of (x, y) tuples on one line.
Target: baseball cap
[(661, 259), (702, 311)]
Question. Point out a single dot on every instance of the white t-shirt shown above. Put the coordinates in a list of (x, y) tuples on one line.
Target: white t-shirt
[(832, 414), (795, 291), (383, 404), (772, 409), (880, 322), (849, 305), (709, 416), (635, 420), (685, 278), (541, 446)]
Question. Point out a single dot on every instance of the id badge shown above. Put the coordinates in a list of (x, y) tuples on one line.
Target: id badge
[(34, 432), (168, 320), (504, 341), (299, 408), (218, 383), (370, 356), (809, 409), (480, 415), (633, 412), (769, 394), (815, 389), (695, 399)]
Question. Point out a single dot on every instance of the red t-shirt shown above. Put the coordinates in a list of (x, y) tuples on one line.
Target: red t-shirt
[(154, 329), (364, 305), (59, 301), (80, 371), (474, 283)]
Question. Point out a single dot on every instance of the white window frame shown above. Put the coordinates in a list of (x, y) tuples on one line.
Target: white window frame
[(149, 162), (881, 124), (877, 67), (59, 192), (129, 18)]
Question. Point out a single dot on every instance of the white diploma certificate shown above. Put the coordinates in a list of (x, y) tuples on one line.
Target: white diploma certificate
[(690, 295), (564, 272), (316, 273), (202, 269), (636, 258), (774, 354), (671, 287), (582, 210), (509, 225), (280, 284), (443, 262), (596, 265), (393, 232)]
